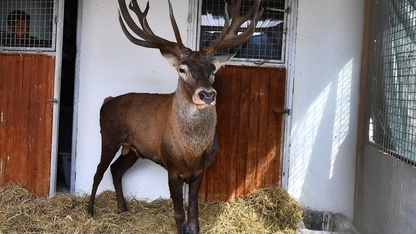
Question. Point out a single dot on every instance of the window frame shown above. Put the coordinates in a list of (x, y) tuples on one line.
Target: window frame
[(35, 50), (194, 32)]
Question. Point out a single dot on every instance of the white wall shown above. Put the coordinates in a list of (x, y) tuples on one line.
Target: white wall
[(111, 65), (325, 104)]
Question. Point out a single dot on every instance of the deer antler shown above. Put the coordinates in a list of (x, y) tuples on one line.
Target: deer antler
[(149, 39), (229, 37)]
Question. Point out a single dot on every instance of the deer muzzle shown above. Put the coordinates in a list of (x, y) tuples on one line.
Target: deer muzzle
[(205, 98)]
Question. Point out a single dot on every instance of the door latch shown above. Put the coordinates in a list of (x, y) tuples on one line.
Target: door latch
[(53, 101), (281, 111)]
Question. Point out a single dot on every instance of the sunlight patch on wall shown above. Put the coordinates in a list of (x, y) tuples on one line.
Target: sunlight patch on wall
[(342, 111), (307, 130)]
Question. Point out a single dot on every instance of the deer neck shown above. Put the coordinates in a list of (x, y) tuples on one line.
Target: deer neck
[(194, 127)]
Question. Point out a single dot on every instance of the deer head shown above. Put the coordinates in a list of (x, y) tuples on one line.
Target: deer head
[(196, 69)]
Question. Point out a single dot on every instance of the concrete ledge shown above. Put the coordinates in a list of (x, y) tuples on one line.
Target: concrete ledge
[(321, 222)]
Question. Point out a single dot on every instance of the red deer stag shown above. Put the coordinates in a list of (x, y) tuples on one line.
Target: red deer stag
[(177, 130)]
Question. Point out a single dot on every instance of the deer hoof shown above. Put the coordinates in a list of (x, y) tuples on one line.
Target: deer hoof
[(122, 206), (189, 230), (186, 230), (91, 210)]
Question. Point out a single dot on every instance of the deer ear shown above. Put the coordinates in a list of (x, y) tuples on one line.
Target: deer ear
[(220, 60), (172, 59)]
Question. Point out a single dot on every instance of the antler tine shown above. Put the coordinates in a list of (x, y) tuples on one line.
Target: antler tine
[(141, 15), (148, 38), (123, 14), (236, 7), (175, 26), (228, 37)]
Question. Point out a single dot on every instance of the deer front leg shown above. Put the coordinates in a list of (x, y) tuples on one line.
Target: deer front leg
[(175, 187), (193, 224)]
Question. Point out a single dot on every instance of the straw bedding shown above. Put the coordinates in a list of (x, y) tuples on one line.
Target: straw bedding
[(269, 210)]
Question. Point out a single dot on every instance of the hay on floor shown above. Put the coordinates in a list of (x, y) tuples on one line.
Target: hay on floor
[(269, 210)]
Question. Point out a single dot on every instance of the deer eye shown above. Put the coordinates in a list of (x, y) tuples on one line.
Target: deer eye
[(181, 70)]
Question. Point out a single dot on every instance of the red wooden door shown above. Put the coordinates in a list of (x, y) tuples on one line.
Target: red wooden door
[(26, 85), (249, 130)]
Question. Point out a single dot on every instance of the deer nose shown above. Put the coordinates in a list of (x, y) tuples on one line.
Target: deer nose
[(207, 97)]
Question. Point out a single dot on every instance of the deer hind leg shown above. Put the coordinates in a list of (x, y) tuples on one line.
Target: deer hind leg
[(118, 168), (175, 187), (108, 152)]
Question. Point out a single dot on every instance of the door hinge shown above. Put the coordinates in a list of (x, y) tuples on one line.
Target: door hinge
[(282, 111)]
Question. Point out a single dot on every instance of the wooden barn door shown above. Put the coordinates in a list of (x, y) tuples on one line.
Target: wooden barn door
[(250, 132), (26, 87)]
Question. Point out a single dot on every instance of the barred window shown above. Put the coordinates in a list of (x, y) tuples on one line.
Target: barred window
[(392, 77), (267, 42), (27, 25)]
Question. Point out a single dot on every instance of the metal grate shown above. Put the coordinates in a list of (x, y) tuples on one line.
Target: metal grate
[(267, 42), (393, 79), (27, 25)]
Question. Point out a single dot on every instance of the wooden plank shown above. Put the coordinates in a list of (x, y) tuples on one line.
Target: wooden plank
[(4, 66), (233, 137), (7, 85), (263, 165), (253, 130), (41, 121), (242, 126), (222, 175), (26, 156), (2, 125), (272, 139), (278, 87), (13, 117), (34, 125), (280, 127)]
